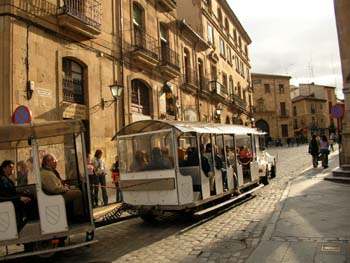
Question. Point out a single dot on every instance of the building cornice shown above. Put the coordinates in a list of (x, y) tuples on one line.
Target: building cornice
[(262, 75)]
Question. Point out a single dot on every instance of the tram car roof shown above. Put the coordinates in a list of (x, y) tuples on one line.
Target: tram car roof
[(17, 135), (184, 126)]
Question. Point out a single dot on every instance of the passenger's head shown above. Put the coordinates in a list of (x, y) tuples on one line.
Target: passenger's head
[(49, 161), (324, 138), (208, 147), (30, 163), (22, 166), (156, 153), (165, 151), (139, 156), (314, 136), (98, 153), (8, 167)]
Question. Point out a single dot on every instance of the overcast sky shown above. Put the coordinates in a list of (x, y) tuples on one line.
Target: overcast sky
[(297, 38)]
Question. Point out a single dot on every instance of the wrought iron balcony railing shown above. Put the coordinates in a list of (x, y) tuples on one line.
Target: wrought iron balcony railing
[(237, 101), (284, 114), (88, 11), (144, 43), (218, 88), (190, 77), (169, 57)]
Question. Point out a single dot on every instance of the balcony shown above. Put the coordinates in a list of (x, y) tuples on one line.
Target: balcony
[(167, 5), (284, 114), (169, 63), (81, 16), (143, 49), (238, 102), (218, 88), (190, 80)]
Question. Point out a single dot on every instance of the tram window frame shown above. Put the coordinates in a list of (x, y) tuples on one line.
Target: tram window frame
[(183, 148), (144, 142), (239, 137)]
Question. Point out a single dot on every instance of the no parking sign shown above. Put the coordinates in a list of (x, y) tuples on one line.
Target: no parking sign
[(337, 111), (21, 115)]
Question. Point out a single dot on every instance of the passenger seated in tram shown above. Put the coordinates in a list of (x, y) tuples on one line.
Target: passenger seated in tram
[(139, 162), (245, 155), (220, 164), (52, 184), (31, 174), (211, 174), (22, 173), (24, 206), (158, 162), (192, 157), (165, 154)]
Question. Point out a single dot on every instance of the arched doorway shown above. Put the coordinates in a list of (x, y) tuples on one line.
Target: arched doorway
[(262, 125)]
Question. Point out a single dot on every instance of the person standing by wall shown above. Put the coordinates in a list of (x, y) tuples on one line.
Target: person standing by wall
[(100, 173), (314, 150), (116, 180), (92, 178)]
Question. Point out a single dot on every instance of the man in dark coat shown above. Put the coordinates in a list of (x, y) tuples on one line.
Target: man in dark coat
[(314, 150), (8, 192)]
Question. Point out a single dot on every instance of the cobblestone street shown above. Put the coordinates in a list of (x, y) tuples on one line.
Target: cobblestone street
[(229, 237)]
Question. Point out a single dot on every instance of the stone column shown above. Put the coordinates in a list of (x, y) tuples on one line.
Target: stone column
[(342, 14)]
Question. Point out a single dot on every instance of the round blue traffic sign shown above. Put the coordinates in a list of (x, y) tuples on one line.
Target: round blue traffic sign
[(21, 115), (337, 111)]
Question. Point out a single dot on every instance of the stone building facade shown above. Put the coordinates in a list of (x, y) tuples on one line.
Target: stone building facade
[(273, 106), (342, 14), (312, 106), (224, 92), (60, 57)]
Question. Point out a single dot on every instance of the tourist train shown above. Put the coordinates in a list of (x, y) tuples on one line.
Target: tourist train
[(189, 166), (45, 224)]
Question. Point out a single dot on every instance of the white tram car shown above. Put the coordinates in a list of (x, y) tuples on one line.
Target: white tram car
[(52, 229), (162, 164)]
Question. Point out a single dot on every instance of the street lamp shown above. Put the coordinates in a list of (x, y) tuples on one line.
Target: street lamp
[(116, 91), (252, 122), (218, 112)]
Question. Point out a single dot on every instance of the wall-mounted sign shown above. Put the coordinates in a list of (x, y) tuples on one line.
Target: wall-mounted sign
[(74, 111), (337, 111), (21, 115), (44, 92)]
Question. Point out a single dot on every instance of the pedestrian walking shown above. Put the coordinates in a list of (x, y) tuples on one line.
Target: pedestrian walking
[(314, 150), (116, 180), (100, 172), (331, 142), (324, 150)]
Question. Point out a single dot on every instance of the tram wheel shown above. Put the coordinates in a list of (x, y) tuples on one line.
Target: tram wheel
[(273, 171), (149, 218), (43, 245), (265, 179)]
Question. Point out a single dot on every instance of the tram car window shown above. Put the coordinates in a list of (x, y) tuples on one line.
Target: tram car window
[(148, 152)]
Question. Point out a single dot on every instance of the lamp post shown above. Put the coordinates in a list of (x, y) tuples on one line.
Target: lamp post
[(116, 91), (252, 122), (218, 112)]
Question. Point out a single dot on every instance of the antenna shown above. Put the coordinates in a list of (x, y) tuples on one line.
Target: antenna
[(311, 70)]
